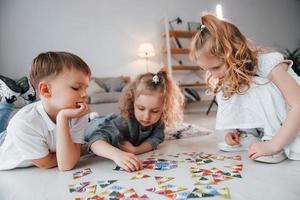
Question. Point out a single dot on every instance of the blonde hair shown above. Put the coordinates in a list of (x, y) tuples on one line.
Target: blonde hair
[(173, 98), (226, 42), (52, 63)]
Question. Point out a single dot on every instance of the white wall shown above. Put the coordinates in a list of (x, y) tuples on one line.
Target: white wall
[(107, 33)]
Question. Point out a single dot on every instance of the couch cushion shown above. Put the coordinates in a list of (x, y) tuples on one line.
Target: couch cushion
[(112, 84), (94, 88), (106, 97), (105, 108), (124, 89)]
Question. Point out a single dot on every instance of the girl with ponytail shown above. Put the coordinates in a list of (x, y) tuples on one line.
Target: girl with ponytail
[(258, 93), (151, 103)]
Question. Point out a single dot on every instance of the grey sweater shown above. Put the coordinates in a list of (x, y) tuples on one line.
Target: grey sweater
[(114, 129)]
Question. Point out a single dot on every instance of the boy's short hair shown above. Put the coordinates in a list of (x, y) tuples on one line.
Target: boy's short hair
[(52, 63)]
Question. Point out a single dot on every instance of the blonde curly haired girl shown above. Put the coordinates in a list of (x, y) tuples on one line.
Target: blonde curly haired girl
[(151, 103), (257, 92)]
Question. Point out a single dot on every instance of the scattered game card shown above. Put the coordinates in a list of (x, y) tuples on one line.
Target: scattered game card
[(155, 154), (166, 190), (105, 183), (209, 191), (82, 173), (180, 195), (118, 168), (139, 175), (79, 187), (206, 181), (91, 189), (238, 167), (161, 179), (237, 157), (235, 174), (203, 161), (204, 155), (174, 155), (198, 172), (218, 177), (193, 153), (96, 197), (118, 192), (218, 157), (144, 197), (159, 164)]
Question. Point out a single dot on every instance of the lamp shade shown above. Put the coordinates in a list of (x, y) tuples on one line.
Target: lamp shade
[(146, 50)]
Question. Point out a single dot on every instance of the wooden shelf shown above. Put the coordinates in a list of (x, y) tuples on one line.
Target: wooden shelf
[(178, 50), (201, 102), (192, 85), (174, 53), (185, 67), (180, 34)]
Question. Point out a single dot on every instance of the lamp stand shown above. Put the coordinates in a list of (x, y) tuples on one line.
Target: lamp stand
[(147, 62)]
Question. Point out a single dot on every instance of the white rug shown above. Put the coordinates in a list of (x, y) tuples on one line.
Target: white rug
[(185, 130)]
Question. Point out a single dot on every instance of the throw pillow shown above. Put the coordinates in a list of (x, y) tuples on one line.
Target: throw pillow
[(94, 88), (115, 84)]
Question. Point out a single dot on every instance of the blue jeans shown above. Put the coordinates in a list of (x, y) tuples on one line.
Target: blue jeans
[(5, 112)]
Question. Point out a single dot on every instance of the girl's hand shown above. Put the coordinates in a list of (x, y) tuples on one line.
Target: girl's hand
[(82, 110), (258, 149), (232, 138), (127, 146), (128, 161)]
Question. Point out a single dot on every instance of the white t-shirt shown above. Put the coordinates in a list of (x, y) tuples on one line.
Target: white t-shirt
[(31, 135), (261, 106)]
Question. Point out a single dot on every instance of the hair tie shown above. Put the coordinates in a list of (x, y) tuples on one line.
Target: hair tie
[(202, 27), (155, 79)]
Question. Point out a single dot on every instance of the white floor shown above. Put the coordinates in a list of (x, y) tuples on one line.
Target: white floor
[(260, 181), (201, 119)]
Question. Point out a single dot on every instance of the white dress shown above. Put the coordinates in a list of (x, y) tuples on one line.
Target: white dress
[(261, 106)]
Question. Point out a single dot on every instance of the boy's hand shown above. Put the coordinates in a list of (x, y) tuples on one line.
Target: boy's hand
[(127, 146), (232, 138), (128, 161), (82, 110), (265, 148)]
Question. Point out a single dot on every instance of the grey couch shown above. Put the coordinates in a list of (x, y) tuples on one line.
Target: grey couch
[(104, 93)]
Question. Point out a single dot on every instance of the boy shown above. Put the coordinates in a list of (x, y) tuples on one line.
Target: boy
[(50, 132)]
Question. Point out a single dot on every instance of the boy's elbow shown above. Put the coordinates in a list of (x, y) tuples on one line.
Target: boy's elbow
[(64, 168), (45, 166)]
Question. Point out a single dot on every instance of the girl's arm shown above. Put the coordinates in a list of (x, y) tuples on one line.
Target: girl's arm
[(149, 144), (291, 127), (127, 161), (142, 148), (291, 92)]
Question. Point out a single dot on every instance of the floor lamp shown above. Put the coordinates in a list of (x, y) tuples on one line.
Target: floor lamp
[(146, 51)]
